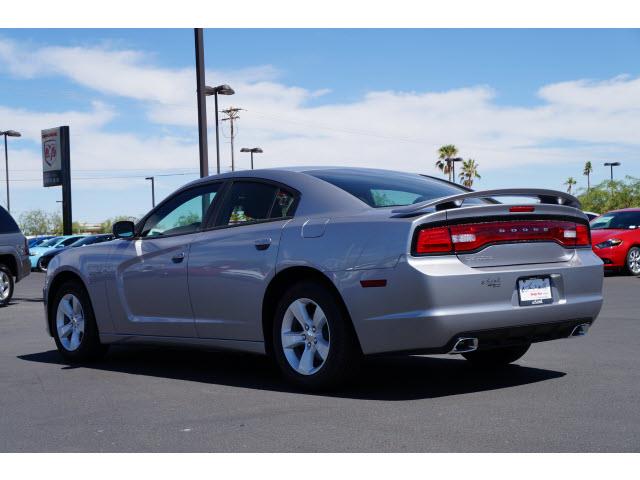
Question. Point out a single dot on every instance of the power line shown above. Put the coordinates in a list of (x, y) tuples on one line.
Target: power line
[(112, 177)]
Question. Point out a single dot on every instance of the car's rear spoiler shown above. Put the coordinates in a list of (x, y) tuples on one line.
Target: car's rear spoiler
[(551, 197)]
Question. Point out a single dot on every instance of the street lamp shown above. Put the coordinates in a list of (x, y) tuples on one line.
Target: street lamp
[(8, 133), (215, 91), (153, 190), (453, 166), (251, 151), (611, 165)]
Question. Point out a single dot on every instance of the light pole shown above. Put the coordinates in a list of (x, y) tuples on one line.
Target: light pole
[(153, 190), (453, 167), (215, 91), (8, 133), (202, 104), (251, 151), (611, 165)]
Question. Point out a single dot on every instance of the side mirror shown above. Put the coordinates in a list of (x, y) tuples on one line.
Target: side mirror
[(124, 229)]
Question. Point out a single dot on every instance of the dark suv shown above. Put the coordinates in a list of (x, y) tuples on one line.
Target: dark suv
[(14, 256)]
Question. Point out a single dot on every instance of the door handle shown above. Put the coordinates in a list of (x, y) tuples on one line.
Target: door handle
[(178, 258), (263, 243)]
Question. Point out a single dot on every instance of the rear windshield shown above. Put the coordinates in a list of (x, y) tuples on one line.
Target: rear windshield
[(389, 189), (7, 223), (617, 220)]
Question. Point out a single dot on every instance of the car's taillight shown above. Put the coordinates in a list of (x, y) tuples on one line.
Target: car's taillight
[(433, 240), (583, 236), (474, 236)]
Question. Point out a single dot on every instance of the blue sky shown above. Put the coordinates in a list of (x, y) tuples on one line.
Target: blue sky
[(530, 106)]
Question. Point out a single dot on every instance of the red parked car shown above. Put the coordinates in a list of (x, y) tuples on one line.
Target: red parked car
[(615, 237)]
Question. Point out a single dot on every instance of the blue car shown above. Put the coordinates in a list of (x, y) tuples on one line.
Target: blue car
[(37, 241), (57, 242), (45, 258)]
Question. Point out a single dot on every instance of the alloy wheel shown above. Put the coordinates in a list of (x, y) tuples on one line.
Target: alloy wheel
[(70, 322), (305, 336), (5, 285), (634, 261)]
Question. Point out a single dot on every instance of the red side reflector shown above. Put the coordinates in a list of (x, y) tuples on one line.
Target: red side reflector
[(522, 208), (373, 283), (434, 240)]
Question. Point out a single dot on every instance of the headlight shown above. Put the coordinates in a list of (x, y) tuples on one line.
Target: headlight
[(612, 242)]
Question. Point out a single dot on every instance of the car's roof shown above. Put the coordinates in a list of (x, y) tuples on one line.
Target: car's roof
[(320, 196), (631, 209)]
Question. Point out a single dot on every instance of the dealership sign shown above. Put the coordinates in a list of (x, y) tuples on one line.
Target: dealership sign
[(52, 152)]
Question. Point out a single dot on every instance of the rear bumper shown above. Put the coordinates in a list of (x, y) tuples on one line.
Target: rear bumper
[(24, 268), (429, 301)]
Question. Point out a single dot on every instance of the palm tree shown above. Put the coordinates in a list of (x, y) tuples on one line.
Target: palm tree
[(446, 154), (588, 169), (469, 172), (570, 183)]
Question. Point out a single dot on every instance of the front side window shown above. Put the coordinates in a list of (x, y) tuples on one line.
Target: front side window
[(254, 201), (181, 215)]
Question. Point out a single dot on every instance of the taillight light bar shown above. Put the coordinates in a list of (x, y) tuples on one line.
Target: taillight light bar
[(474, 236)]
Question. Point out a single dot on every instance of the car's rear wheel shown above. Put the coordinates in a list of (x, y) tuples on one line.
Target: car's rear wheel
[(313, 341), (496, 356), (6, 285), (74, 325), (633, 261)]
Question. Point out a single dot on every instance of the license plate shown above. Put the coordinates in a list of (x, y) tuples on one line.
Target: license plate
[(535, 291)]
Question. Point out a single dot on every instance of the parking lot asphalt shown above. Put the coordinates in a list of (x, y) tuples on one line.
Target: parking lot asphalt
[(571, 395)]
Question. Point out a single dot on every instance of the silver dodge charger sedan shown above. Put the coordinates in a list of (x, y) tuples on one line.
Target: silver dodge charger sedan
[(317, 267)]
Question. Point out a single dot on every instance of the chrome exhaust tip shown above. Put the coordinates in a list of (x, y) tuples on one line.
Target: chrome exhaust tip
[(580, 330), (464, 345)]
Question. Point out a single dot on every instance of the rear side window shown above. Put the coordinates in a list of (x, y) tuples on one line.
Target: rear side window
[(7, 223), (255, 201), (389, 189)]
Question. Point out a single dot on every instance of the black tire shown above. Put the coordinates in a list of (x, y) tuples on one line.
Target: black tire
[(632, 265), (40, 267), (496, 357), (8, 275), (344, 355), (90, 348)]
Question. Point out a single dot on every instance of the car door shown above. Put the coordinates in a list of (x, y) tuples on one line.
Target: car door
[(151, 294), (231, 264)]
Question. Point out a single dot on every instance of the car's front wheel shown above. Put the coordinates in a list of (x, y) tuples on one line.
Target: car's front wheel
[(74, 325), (41, 267), (496, 357), (313, 341), (633, 261), (6, 285)]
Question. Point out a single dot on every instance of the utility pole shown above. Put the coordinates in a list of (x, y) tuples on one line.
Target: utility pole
[(202, 105), (232, 115)]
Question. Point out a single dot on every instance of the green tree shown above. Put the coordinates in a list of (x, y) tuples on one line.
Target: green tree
[(55, 223), (588, 170), (34, 222), (611, 195), (570, 183), (107, 225), (446, 154), (469, 172)]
